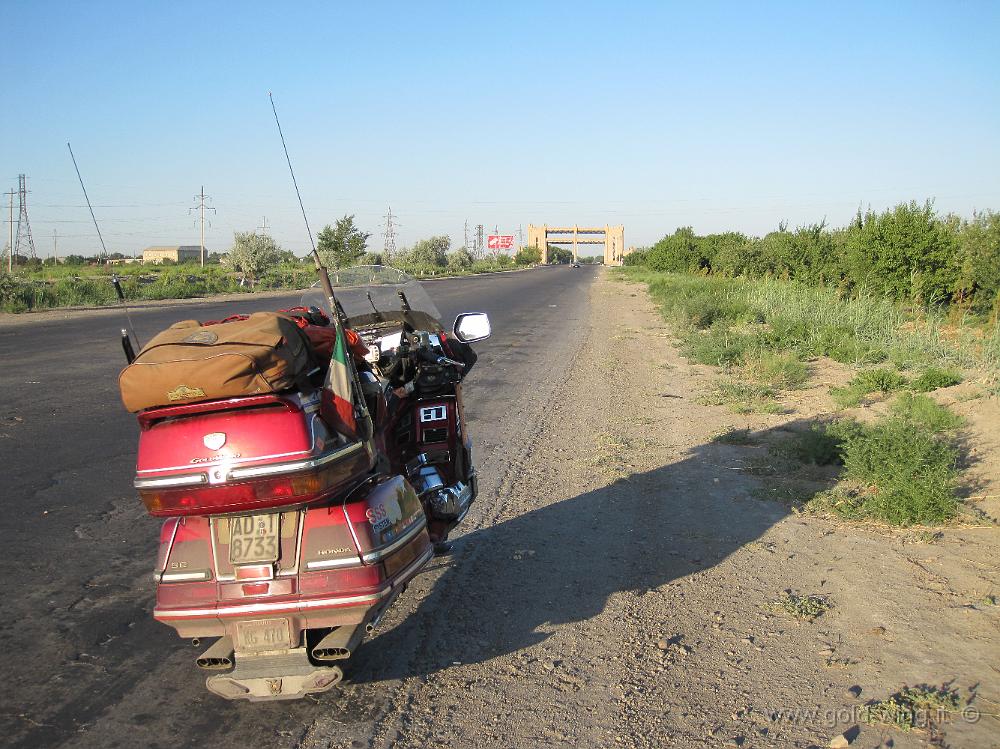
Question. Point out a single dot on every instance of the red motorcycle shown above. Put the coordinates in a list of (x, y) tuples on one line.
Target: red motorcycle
[(298, 508)]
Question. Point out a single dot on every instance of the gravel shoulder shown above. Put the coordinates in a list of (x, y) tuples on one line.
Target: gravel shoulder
[(617, 586)]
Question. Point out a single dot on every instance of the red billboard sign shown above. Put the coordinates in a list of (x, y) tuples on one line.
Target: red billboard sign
[(499, 241)]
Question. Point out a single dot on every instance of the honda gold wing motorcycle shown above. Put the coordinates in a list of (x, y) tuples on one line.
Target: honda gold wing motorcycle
[(306, 464)]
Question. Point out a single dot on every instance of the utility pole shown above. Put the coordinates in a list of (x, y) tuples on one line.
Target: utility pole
[(479, 241), (55, 247), (10, 245), (466, 243), (200, 197), (390, 236), (263, 227), (23, 225)]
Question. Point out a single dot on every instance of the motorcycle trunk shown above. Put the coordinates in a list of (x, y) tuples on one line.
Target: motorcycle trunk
[(280, 540)]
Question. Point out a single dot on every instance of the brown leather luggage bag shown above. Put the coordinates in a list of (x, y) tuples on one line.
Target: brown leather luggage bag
[(188, 362)]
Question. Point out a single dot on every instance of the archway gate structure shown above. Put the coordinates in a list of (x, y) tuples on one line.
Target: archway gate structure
[(612, 237)]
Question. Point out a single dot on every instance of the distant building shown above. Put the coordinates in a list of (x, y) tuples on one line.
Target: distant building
[(175, 253)]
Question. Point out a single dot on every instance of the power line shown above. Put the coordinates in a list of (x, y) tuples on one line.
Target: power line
[(202, 208)]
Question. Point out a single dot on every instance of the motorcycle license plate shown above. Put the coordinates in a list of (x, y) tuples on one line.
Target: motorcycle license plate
[(263, 634), (254, 538)]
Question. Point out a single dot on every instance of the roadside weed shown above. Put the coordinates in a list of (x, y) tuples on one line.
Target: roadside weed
[(922, 706), (933, 378), (807, 608), (865, 383), (900, 470), (743, 397), (777, 369), (925, 413)]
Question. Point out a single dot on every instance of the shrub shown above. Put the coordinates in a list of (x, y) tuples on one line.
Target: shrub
[(933, 378), (922, 706), (911, 473), (780, 370), (908, 253), (925, 413), (460, 259), (718, 347), (533, 256), (866, 382)]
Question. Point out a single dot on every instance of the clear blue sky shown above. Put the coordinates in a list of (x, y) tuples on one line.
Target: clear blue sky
[(653, 115)]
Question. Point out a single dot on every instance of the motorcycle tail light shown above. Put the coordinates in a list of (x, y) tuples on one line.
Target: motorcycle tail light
[(251, 495), (353, 579)]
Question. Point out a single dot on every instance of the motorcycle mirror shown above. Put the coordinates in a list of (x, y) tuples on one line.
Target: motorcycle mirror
[(472, 326)]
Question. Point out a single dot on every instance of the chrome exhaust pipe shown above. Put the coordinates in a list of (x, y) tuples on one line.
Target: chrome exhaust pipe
[(219, 657), (338, 644)]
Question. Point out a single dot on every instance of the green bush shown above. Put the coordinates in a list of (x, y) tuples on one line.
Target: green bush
[(911, 473), (933, 378), (532, 256), (719, 346), (924, 413), (777, 369), (908, 253), (904, 464), (866, 382)]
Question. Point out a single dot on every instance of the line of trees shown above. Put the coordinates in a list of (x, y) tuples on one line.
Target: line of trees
[(910, 253)]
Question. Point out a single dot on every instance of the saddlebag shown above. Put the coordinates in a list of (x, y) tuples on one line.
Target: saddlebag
[(189, 362)]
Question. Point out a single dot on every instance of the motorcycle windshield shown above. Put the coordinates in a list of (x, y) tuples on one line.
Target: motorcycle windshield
[(368, 292)]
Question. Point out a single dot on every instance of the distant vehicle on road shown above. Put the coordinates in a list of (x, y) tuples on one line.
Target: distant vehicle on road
[(575, 265)]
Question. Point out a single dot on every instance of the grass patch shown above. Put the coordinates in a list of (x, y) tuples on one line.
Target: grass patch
[(909, 474), (717, 347), (733, 316), (900, 470), (778, 370), (807, 608), (918, 707), (743, 397), (925, 413), (933, 378), (864, 383)]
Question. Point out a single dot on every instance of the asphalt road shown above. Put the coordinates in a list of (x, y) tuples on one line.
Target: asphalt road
[(84, 663)]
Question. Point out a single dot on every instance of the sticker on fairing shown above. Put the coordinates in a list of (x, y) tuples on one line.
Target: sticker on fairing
[(433, 413)]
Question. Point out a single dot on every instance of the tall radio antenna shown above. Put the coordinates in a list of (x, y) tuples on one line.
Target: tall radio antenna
[(104, 250), (364, 419), (297, 193), (129, 352)]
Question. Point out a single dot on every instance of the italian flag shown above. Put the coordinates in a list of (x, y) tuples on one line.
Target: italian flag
[(338, 383)]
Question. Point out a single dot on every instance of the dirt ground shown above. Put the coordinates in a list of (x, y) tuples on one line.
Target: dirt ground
[(618, 585)]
